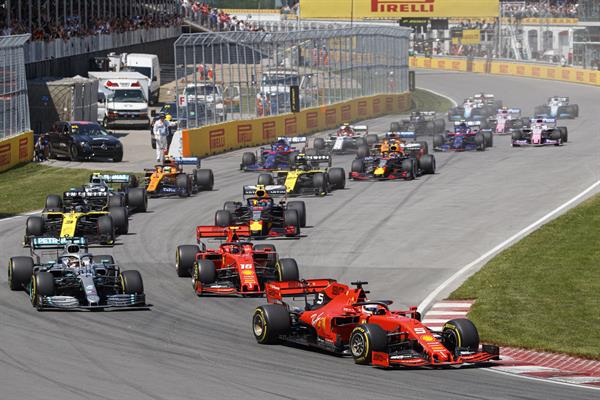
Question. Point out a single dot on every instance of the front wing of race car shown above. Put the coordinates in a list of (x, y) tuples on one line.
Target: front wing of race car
[(412, 359)]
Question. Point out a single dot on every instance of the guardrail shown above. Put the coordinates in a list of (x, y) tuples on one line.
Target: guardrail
[(16, 150), (512, 68)]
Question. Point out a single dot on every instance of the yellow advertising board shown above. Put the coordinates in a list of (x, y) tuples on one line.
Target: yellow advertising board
[(394, 9), (16, 150), (471, 36), (213, 139)]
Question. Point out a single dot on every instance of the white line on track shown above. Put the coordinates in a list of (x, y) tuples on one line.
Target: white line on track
[(533, 378), (432, 296)]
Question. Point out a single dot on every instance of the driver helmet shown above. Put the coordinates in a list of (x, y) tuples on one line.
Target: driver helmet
[(71, 262), (373, 309), (167, 170)]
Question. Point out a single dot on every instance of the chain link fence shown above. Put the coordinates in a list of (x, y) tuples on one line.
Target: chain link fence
[(240, 74), (14, 109)]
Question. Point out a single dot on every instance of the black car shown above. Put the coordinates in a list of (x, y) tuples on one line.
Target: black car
[(83, 140)]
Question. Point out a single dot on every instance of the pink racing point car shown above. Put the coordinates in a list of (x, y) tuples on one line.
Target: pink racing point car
[(542, 132), (508, 120)]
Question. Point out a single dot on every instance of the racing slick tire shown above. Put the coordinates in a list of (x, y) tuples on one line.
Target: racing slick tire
[(106, 229), (439, 126), (116, 200), (291, 217), (34, 226), (103, 259), (362, 151), (516, 135), (424, 146), (319, 181), (555, 135), (319, 143), (183, 183), (42, 284), (311, 152), (248, 159), (265, 179), (20, 270), (358, 166), (185, 258), (300, 208), (364, 340), (292, 159), (372, 139), (395, 126), (120, 220), (131, 282), (269, 321), (287, 270), (205, 272), (480, 142), (460, 333), (337, 178), (541, 110), (230, 206), (205, 180), (427, 164), (53, 202), (272, 257), (429, 127), (564, 134), (409, 166), (137, 198), (489, 139), (223, 218), (575, 110), (438, 141)]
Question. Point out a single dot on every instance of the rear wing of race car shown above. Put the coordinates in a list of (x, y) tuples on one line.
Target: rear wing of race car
[(293, 139), (187, 161), (361, 128), (232, 233), (96, 194), (559, 98), (543, 120), (510, 110), (111, 178), (276, 291), (314, 159), (49, 243), (468, 123), (270, 190)]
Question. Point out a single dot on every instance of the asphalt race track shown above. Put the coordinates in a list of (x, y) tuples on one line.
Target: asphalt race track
[(405, 238)]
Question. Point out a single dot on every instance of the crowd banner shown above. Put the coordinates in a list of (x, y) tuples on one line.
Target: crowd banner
[(540, 71), (219, 138), (16, 150), (394, 9)]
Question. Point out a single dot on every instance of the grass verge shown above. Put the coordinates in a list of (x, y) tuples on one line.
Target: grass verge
[(25, 187), (543, 293), (424, 100)]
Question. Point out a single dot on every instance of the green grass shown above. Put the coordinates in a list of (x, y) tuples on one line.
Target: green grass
[(543, 293), (424, 100), (24, 187)]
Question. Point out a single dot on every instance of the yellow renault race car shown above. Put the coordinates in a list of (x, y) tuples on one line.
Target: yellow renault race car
[(306, 177)]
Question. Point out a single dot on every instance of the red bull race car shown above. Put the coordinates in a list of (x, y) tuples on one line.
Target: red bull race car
[(236, 267), (341, 320)]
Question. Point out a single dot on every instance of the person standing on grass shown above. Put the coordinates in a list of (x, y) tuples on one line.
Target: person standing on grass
[(160, 132)]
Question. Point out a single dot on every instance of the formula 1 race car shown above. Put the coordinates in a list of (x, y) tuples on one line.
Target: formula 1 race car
[(79, 213), (507, 120), (477, 108), (280, 155), (340, 319), (125, 194), (169, 178), (557, 107), (467, 136), (235, 267), (262, 215), (307, 178), (396, 161), (542, 132), (74, 278), (420, 122), (347, 139)]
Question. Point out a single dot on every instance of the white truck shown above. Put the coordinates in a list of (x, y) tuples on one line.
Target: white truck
[(276, 83), (145, 64), (206, 92), (122, 99)]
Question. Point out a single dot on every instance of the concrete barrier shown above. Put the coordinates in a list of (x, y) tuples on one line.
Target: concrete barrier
[(16, 150), (214, 139)]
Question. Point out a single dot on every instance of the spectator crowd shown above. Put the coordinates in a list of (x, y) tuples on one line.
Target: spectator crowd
[(215, 19), (541, 9)]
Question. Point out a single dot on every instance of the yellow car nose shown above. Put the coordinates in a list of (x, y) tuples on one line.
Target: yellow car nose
[(379, 171)]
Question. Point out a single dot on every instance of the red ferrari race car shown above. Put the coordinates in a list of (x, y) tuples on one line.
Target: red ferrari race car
[(236, 267), (341, 319)]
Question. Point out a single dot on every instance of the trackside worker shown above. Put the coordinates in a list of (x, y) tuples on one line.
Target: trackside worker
[(160, 132)]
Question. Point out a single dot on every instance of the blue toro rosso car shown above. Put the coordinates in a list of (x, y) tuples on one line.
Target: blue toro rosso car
[(557, 107), (467, 136), (279, 155)]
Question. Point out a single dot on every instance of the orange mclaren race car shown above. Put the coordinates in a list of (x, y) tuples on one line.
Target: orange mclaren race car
[(169, 179), (235, 267), (341, 319)]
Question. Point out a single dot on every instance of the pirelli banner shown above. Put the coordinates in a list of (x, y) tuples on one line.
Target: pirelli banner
[(214, 139), (394, 9), (16, 150)]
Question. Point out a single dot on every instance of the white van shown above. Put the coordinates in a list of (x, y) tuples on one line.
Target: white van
[(146, 64)]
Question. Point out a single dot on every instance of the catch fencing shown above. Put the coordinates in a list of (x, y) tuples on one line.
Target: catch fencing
[(14, 109), (222, 76)]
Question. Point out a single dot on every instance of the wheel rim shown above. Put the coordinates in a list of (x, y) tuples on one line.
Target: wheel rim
[(258, 325), (357, 347)]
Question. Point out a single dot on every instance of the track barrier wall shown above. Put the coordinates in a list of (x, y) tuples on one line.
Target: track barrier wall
[(16, 150), (218, 138), (541, 71)]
